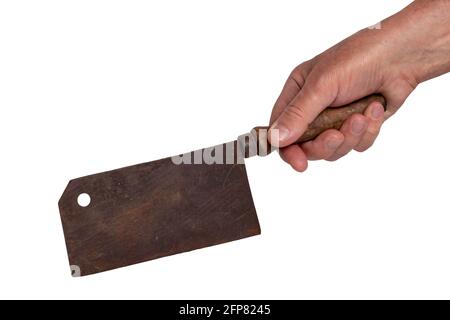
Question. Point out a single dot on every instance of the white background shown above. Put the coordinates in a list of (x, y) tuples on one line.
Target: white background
[(88, 86)]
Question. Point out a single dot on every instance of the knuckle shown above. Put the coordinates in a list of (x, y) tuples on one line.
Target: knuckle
[(296, 72), (297, 80), (322, 87), (320, 82), (323, 76), (296, 112), (302, 69), (298, 76)]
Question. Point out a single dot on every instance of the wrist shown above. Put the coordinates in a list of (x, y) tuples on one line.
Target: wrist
[(421, 33)]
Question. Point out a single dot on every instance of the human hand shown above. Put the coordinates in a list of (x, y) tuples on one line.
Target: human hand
[(410, 47)]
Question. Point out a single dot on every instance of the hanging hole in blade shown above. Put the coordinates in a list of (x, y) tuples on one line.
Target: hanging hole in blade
[(84, 200)]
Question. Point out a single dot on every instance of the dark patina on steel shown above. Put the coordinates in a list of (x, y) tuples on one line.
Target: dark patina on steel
[(152, 210)]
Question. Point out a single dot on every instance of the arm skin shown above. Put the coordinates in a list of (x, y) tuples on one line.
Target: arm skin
[(412, 46)]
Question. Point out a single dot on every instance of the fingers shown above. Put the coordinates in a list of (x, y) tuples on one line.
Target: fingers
[(358, 132), (324, 146), (353, 130), (301, 111), (375, 114), (295, 156), (290, 90)]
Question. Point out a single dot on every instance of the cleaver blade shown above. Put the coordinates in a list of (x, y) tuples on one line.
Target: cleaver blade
[(153, 210)]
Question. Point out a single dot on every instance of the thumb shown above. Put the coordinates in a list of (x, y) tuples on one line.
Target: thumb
[(300, 112)]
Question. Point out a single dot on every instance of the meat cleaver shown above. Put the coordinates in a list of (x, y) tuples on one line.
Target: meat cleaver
[(173, 205)]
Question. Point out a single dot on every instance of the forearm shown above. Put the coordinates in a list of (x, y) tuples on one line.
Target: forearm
[(423, 30)]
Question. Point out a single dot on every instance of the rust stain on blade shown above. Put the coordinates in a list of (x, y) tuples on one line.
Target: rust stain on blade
[(152, 210)]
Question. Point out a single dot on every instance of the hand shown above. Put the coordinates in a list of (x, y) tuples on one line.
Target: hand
[(391, 60)]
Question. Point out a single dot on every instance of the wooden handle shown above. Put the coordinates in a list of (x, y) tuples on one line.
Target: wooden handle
[(330, 118), (333, 118)]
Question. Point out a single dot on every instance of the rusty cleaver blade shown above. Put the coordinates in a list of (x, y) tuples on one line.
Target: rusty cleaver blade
[(165, 207)]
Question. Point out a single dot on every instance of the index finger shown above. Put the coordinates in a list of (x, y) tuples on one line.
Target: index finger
[(290, 90)]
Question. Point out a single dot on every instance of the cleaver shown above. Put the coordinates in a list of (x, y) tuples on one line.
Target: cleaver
[(173, 205)]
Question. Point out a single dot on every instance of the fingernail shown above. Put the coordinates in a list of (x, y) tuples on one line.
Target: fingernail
[(377, 112), (357, 127), (333, 144), (280, 131)]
